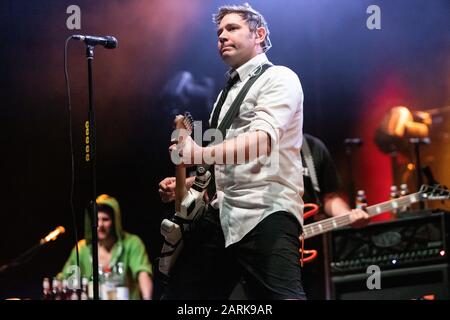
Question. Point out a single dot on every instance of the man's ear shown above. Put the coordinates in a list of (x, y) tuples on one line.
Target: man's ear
[(260, 35)]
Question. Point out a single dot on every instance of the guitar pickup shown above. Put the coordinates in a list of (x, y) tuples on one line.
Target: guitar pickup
[(202, 179)]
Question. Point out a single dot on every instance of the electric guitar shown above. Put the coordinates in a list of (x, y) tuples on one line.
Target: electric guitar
[(425, 193), (173, 229)]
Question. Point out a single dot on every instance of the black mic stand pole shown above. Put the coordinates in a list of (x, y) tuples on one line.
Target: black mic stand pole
[(393, 154), (24, 257), (351, 184), (90, 158), (417, 142), (348, 152), (27, 255)]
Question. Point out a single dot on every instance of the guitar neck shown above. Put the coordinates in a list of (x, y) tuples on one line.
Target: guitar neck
[(180, 189), (183, 126), (316, 228)]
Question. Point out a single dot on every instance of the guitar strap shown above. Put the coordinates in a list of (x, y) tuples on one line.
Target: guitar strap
[(309, 161), (227, 120)]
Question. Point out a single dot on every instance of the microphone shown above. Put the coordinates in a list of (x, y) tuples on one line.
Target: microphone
[(108, 42), (53, 235)]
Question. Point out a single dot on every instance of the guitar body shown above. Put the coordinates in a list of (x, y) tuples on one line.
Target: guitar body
[(189, 204)]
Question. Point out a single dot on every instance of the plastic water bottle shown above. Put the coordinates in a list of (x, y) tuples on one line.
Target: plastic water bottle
[(361, 200), (122, 291), (109, 287), (46, 290), (403, 192), (394, 194), (84, 288)]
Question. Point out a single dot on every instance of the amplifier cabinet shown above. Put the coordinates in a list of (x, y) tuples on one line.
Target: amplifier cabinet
[(411, 254)]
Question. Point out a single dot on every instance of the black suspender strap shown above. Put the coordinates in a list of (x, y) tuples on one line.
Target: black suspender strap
[(225, 124), (231, 114), (306, 152)]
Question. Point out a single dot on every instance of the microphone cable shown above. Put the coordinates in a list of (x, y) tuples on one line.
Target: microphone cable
[(72, 162)]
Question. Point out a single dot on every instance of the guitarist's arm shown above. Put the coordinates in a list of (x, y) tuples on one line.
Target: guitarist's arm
[(335, 205), (244, 143), (241, 145), (167, 188)]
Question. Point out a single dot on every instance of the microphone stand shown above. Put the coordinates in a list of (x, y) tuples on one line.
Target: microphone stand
[(393, 154), (351, 184), (417, 142), (24, 257), (91, 159), (349, 143), (27, 255)]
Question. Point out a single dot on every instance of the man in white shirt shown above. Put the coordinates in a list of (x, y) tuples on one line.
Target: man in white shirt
[(253, 223)]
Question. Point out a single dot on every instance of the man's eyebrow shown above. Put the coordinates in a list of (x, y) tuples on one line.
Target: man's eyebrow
[(231, 24)]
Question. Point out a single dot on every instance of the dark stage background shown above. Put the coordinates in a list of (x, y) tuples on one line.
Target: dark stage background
[(351, 77)]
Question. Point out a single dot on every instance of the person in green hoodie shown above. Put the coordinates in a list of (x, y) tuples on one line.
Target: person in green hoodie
[(115, 247)]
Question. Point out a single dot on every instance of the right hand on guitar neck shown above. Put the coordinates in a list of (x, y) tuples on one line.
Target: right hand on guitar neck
[(167, 188)]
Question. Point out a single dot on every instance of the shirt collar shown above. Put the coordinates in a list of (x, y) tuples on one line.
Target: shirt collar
[(247, 68)]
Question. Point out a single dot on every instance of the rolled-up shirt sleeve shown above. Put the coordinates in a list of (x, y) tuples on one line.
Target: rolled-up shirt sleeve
[(280, 98)]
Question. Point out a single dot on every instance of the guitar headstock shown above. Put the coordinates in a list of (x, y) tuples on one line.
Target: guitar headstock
[(435, 192), (185, 122)]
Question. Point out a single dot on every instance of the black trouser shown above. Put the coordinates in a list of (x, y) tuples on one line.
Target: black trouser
[(267, 257)]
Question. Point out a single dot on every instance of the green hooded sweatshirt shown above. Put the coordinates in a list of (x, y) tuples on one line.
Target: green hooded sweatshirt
[(128, 249)]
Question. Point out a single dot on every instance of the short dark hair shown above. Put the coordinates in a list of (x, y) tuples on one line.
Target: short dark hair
[(107, 209), (254, 19)]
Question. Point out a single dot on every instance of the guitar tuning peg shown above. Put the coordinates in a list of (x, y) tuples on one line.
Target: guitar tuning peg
[(188, 121), (188, 115)]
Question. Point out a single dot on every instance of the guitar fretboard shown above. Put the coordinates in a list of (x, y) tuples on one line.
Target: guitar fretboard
[(316, 228)]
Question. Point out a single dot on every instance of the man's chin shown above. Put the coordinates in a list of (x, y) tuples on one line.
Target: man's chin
[(226, 55), (229, 58)]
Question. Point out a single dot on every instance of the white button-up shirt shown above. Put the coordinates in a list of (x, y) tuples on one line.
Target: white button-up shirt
[(248, 193)]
